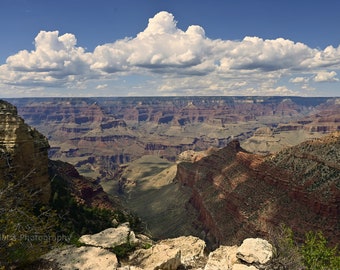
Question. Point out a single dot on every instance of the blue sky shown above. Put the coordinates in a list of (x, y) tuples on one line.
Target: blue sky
[(169, 47)]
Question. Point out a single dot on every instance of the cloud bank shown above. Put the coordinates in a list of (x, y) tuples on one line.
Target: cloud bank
[(168, 61)]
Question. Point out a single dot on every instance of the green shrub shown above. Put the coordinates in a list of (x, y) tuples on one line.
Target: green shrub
[(313, 254), (286, 252), (27, 228), (317, 255)]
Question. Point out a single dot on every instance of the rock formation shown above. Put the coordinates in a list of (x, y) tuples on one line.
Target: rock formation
[(24, 153), (110, 237), (97, 135), (186, 252), (238, 194), (85, 191)]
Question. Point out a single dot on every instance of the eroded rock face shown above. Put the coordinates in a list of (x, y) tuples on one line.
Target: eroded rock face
[(98, 134), (240, 195), (24, 152)]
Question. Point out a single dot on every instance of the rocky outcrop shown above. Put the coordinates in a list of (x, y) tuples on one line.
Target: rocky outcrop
[(238, 194), (185, 252), (24, 153), (110, 237)]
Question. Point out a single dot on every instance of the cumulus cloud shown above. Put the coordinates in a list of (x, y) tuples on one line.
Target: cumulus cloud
[(55, 54), (161, 47), (179, 61), (324, 76)]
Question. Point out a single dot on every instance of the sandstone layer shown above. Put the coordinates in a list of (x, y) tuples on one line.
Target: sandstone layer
[(24, 153)]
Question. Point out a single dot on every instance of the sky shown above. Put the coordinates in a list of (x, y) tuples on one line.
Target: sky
[(169, 48)]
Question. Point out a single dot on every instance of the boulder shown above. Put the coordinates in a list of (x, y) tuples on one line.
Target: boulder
[(222, 258), (192, 248), (239, 266), (255, 250), (110, 237), (85, 258), (160, 256)]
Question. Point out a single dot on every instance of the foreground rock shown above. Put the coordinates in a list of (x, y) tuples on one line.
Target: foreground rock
[(222, 258), (160, 256), (84, 258), (192, 249), (110, 237), (255, 250), (185, 252)]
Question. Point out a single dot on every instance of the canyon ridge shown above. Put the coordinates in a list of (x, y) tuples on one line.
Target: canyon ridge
[(220, 168)]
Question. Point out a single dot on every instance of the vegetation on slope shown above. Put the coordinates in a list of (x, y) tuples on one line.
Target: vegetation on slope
[(29, 229)]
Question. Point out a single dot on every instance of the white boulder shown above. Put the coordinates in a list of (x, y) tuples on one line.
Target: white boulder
[(255, 250), (110, 237)]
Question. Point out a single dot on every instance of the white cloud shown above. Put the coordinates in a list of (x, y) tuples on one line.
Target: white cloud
[(101, 86), (324, 76), (179, 62), (299, 80), (55, 54)]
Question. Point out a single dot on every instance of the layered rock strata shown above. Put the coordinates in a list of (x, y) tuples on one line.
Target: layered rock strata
[(238, 194), (24, 153), (97, 135)]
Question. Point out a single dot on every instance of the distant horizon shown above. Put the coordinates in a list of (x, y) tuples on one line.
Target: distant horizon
[(124, 48), (238, 96)]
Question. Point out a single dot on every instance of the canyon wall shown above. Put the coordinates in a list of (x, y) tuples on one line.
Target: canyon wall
[(97, 135), (238, 194), (24, 153)]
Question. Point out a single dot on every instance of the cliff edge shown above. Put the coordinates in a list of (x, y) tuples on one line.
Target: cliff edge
[(24, 152)]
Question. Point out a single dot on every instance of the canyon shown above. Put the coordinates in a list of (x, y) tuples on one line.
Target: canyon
[(220, 168), (97, 135)]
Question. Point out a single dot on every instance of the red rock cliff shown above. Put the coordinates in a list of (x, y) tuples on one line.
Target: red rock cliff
[(239, 194)]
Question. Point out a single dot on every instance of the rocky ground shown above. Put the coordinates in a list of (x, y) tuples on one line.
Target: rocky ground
[(187, 252)]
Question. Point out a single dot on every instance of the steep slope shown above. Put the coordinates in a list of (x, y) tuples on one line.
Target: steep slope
[(239, 194), (24, 153), (146, 187)]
